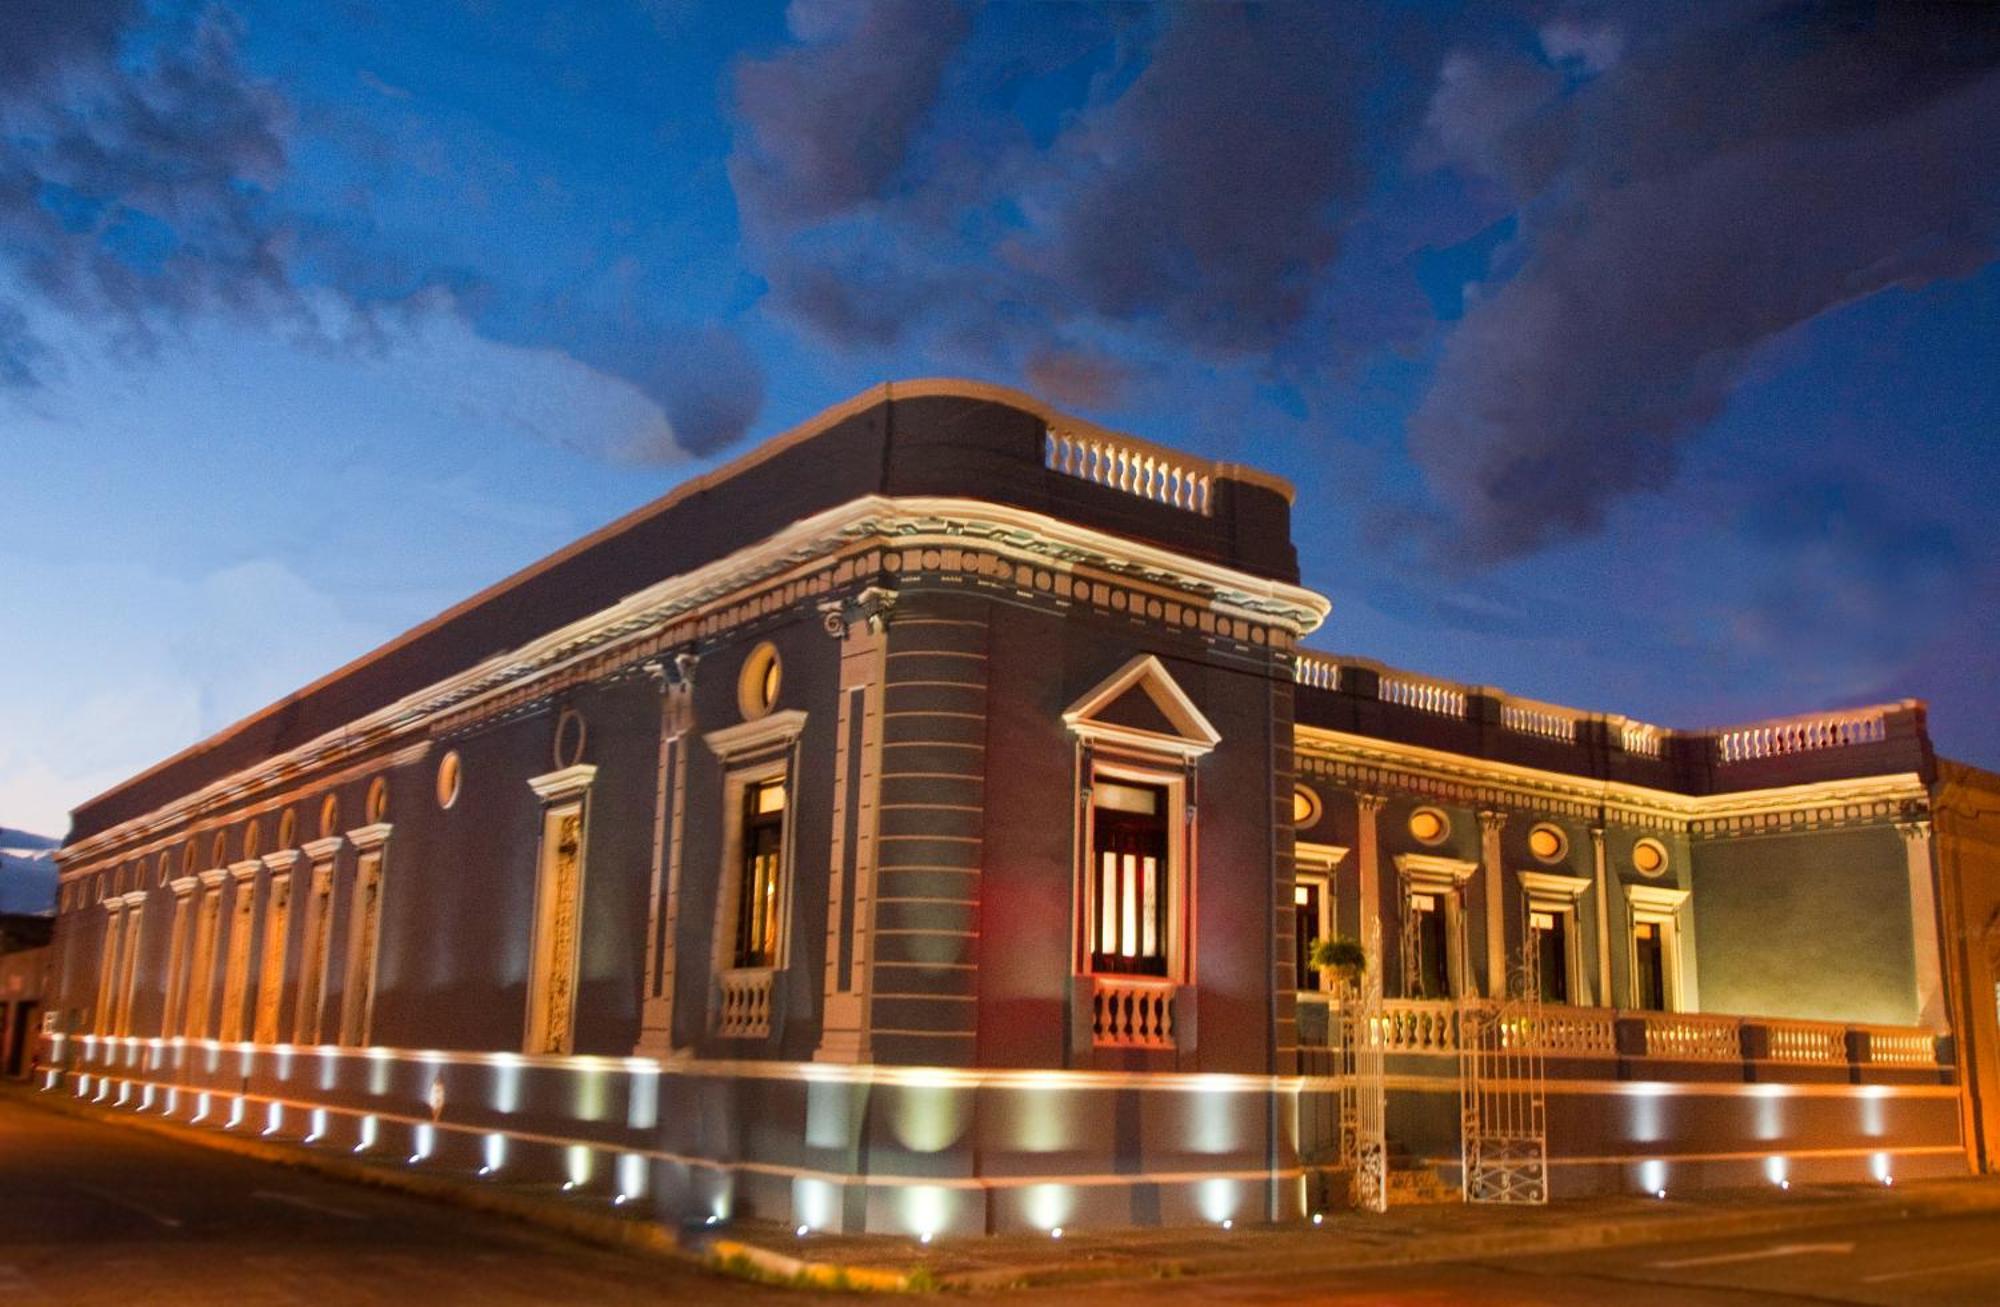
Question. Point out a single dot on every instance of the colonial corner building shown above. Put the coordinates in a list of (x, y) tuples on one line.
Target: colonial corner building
[(924, 824)]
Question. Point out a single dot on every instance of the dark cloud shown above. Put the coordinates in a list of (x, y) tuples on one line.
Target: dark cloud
[(43, 35), (1700, 194), (1078, 378), (829, 121), (134, 184), (1191, 190)]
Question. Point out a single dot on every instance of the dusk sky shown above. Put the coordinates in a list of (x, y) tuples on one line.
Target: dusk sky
[(1644, 358)]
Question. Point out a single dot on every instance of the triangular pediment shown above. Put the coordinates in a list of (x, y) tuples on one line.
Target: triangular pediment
[(1141, 706)]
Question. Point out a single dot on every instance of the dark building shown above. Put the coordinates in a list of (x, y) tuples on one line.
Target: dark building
[(925, 822)]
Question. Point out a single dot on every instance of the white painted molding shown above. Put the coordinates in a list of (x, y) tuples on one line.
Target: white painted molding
[(213, 877), (747, 737), (323, 850), (1196, 735), (911, 522), (1318, 857), (1556, 889), (184, 886), (373, 836), (1432, 871), (555, 786), (1655, 898), (246, 869), (282, 861), (134, 899)]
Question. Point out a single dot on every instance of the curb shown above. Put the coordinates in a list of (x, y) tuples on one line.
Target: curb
[(644, 1237)]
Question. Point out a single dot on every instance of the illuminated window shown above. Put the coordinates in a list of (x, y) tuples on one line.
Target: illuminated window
[(1429, 826), (1649, 857), (1433, 944), (1547, 843), (1312, 920), (1649, 977), (448, 779), (1130, 848), (1552, 908), (758, 684), (1429, 933), (761, 859), (558, 934), (1305, 807), (1654, 946)]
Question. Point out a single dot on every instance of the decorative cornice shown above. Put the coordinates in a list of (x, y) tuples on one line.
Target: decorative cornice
[(323, 850), (1655, 898), (870, 607), (282, 861), (1227, 597), (134, 899), (1319, 857), (213, 877), (246, 869), (555, 786), (375, 835), (1619, 797), (183, 886), (763, 733), (1549, 885), (1430, 868)]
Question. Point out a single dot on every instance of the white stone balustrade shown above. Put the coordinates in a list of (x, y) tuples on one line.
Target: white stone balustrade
[(1835, 730), (1640, 738), (1895, 1046), (1543, 719), (746, 1003), (1317, 671), (1428, 696), (1132, 1012), (1692, 1036), (1579, 1031), (1136, 469), (1811, 1042), (1417, 1025)]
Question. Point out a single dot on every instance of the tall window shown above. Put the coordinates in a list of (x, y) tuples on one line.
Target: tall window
[(1551, 934), (1430, 942), (1130, 840), (763, 856), (1309, 917), (1649, 965)]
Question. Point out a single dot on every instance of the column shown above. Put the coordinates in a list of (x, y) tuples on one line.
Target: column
[(1368, 860), (656, 1020), (1490, 825), (107, 965), (1603, 899), (236, 973), (174, 1001), (318, 933), (364, 933), (1924, 923), (860, 624), (271, 962)]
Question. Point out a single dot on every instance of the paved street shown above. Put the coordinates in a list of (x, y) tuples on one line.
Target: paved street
[(96, 1213), (1934, 1261), (93, 1213)]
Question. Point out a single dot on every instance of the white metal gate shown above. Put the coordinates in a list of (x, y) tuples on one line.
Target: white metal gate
[(1364, 1135), (1503, 1096)]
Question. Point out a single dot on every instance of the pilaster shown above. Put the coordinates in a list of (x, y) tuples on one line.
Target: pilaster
[(1924, 923), (1491, 823)]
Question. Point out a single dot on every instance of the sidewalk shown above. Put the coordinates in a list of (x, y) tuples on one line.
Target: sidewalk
[(1404, 1236)]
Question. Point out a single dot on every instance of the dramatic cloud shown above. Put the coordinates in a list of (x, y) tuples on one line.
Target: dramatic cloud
[(1707, 191), (1191, 191)]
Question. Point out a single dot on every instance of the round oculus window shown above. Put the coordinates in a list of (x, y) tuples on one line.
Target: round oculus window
[(1547, 843), (1429, 826), (448, 778), (1649, 857), (329, 815), (1305, 807), (758, 684)]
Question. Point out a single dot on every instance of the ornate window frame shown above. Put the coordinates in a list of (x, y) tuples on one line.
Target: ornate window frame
[(743, 1000), (1317, 863), (1662, 906), (556, 949), (1437, 875), (1546, 892)]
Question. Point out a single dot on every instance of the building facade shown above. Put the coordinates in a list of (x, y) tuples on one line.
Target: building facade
[(923, 824)]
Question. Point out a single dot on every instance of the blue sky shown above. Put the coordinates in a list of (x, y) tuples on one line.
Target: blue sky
[(1637, 359)]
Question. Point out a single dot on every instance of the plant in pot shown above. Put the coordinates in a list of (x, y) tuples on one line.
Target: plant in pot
[(1341, 957)]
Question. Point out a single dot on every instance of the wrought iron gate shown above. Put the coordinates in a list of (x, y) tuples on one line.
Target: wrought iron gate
[(1364, 1136), (1503, 1096)]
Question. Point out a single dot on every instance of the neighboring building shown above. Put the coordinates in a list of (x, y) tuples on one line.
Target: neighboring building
[(918, 825), (27, 872), (27, 920), (1967, 818)]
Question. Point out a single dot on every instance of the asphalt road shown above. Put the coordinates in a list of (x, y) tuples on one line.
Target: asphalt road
[(1933, 1261), (92, 1212)]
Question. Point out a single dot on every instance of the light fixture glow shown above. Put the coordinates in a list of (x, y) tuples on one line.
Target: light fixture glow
[(803, 1231), (1319, 1218), (1056, 1233)]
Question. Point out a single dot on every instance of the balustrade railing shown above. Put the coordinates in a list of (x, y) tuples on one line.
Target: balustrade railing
[(1892, 1046), (1410, 1025), (1428, 696), (1317, 671), (1126, 1012), (1692, 1036), (1801, 735), (1136, 469), (746, 1003), (1578, 1031), (1542, 719), (1640, 738), (1815, 1042)]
